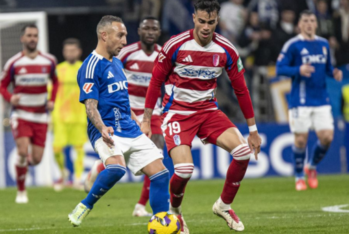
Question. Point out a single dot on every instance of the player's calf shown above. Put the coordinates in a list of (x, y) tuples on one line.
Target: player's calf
[(179, 180)]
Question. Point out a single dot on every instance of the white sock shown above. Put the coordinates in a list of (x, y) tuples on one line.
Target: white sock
[(222, 205)]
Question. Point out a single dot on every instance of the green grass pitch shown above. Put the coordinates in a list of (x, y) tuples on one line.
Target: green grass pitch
[(268, 205)]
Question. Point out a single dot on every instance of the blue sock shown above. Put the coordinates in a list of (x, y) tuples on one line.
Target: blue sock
[(104, 181), (159, 196), (319, 152), (299, 156)]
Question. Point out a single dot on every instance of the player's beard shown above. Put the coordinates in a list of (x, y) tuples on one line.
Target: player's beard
[(31, 47)]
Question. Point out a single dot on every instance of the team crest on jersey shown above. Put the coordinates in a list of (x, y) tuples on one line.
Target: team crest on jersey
[(324, 50), (161, 57), (215, 60), (87, 87), (177, 139)]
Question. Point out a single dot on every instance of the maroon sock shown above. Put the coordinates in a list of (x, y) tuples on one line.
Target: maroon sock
[(21, 174), (235, 174), (145, 191), (177, 188)]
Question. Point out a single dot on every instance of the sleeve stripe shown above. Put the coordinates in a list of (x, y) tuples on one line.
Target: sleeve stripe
[(226, 42), (93, 68), (88, 65), (127, 50), (289, 43), (175, 40)]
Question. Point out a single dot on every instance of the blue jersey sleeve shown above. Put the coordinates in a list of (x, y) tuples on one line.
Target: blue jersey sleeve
[(284, 65), (88, 83)]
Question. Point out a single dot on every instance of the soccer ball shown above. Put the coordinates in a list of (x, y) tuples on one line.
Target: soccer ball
[(164, 223)]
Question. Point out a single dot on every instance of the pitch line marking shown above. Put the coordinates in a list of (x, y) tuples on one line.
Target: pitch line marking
[(336, 208)]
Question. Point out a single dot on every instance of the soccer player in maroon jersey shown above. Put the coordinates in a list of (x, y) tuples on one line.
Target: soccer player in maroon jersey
[(189, 64), (138, 60), (29, 71)]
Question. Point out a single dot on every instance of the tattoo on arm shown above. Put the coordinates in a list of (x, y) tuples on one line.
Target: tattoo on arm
[(93, 113), (147, 114)]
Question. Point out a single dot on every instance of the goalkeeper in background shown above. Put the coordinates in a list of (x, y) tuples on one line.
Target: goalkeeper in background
[(69, 117)]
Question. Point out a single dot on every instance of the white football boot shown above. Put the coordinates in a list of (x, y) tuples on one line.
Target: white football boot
[(178, 212), (22, 197), (229, 216), (140, 211), (91, 176), (78, 214)]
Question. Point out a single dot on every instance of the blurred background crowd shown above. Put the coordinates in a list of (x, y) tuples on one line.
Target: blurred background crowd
[(258, 28)]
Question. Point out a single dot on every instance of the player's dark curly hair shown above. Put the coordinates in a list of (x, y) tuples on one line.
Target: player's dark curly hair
[(207, 5)]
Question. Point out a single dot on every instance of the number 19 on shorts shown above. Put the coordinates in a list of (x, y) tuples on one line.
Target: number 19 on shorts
[(174, 127)]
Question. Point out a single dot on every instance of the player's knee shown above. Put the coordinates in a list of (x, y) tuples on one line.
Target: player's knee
[(241, 152), (184, 170), (300, 142), (326, 140)]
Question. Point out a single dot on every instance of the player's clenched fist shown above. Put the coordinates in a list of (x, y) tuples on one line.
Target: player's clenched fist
[(145, 128), (255, 141), (337, 74), (306, 70), (107, 133), (15, 99)]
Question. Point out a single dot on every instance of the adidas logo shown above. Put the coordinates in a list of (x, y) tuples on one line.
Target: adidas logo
[(110, 75), (135, 66), (304, 51), (188, 59), (23, 70)]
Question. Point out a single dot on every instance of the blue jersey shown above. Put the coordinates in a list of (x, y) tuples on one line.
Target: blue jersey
[(105, 81), (306, 91)]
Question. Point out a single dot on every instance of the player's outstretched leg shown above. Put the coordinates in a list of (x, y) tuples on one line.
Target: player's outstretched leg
[(97, 167), (104, 181), (140, 210), (299, 157), (179, 180), (235, 174)]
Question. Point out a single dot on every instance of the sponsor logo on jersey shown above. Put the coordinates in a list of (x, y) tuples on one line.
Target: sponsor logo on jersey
[(139, 79), (161, 57), (114, 87), (204, 73), (316, 58), (215, 60), (88, 87), (240, 66), (27, 80), (117, 115), (188, 59), (110, 75), (177, 139)]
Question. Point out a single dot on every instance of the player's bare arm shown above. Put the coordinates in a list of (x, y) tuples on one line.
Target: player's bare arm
[(145, 125), (95, 118), (134, 117), (50, 105)]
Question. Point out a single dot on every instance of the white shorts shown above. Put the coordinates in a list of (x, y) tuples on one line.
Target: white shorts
[(302, 119), (138, 152)]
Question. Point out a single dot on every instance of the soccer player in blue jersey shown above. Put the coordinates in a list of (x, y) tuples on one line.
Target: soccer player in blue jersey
[(306, 58), (112, 128)]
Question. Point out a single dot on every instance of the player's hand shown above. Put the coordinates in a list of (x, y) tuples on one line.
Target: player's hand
[(107, 133), (145, 128), (137, 122), (15, 99), (337, 74), (306, 70), (50, 105), (254, 142)]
